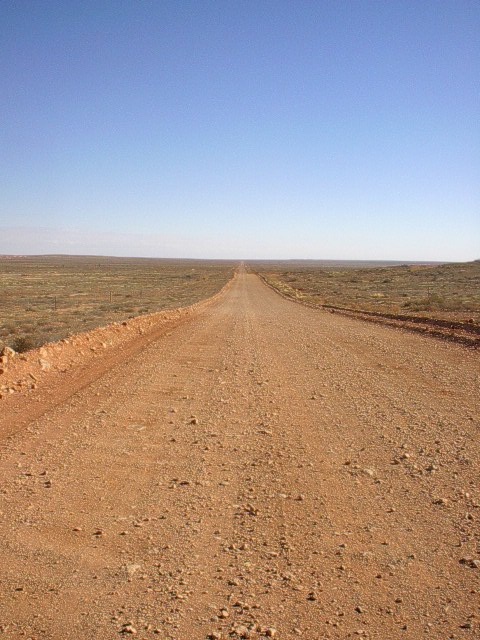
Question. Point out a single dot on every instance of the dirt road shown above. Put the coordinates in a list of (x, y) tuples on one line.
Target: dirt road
[(262, 470)]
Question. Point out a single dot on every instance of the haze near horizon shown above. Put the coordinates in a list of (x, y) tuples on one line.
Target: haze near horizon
[(271, 130)]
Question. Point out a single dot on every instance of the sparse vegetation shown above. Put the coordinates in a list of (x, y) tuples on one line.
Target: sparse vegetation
[(440, 292), (26, 342), (46, 298)]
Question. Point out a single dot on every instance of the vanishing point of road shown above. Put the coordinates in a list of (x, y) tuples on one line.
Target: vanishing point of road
[(262, 470)]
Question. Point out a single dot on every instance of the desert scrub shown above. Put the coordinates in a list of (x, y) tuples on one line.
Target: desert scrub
[(68, 294), (25, 343), (447, 291)]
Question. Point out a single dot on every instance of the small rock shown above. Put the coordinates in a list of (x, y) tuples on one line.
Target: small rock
[(132, 569), (470, 562), (44, 364), (128, 628)]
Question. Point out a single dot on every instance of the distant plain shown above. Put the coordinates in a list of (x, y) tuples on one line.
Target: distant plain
[(47, 298), (437, 291)]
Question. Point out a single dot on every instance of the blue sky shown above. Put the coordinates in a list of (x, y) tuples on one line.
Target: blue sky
[(246, 129)]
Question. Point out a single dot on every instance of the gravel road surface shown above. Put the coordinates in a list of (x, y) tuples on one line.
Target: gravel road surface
[(263, 470)]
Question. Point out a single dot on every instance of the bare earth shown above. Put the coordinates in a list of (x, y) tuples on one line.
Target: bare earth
[(262, 469)]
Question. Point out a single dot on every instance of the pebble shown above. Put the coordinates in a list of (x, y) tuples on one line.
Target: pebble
[(470, 562), (132, 569), (44, 364), (129, 629)]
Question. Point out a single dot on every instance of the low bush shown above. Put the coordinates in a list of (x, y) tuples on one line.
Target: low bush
[(24, 343)]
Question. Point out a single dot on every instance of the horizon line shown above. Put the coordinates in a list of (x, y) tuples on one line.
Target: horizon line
[(123, 257)]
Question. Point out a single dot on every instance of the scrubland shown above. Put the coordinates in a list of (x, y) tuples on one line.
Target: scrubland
[(446, 291), (47, 298)]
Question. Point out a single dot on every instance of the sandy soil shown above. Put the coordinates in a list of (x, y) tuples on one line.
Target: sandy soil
[(254, 469)]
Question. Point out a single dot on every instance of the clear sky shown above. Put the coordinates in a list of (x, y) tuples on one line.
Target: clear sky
[(241, 129)]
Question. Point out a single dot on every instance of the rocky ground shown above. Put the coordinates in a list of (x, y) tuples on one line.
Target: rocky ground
[(250, 469)]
